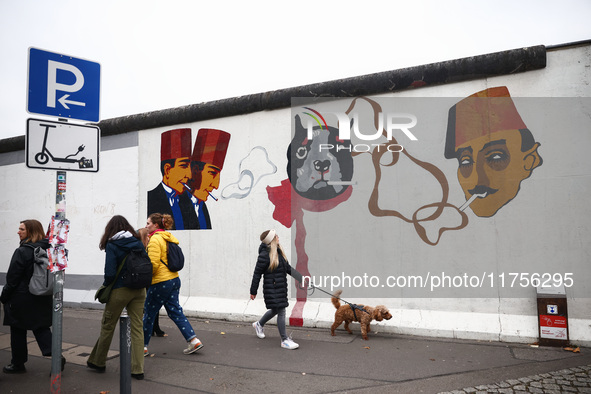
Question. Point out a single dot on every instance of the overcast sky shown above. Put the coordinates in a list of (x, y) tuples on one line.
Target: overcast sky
[(163, 54)]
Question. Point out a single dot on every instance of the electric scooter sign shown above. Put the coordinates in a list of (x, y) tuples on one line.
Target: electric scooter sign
[(62, 146), (63, 86)]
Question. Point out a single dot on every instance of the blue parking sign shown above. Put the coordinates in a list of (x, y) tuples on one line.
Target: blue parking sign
[(63, 86)]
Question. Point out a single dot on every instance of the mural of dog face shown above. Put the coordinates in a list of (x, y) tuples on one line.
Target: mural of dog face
[(318, 167)]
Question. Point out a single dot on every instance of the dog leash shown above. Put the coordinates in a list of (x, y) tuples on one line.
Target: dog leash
[(353, 306)]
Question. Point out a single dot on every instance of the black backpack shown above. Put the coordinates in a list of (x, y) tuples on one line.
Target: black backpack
[(139, 269), (176, 258)]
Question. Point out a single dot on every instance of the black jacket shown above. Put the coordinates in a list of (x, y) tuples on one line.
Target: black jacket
[(274, 282), (158, 203), (21, 308), (116, 250)]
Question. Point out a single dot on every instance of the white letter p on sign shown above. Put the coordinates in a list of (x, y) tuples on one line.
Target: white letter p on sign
[(53, 85)]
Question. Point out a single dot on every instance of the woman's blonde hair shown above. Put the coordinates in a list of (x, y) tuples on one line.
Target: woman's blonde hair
[(274, 250)]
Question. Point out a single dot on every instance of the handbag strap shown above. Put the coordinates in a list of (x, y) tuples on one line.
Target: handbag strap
[(119, 268)]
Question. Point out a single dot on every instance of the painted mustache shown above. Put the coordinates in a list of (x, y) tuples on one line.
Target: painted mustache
[(479, 189)]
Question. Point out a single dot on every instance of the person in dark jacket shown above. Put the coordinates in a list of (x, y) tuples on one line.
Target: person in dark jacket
[(272, 265), (22, 310), (117, 241)]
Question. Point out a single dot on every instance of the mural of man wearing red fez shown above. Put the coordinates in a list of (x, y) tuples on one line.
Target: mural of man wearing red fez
[(170, 196), (207, 162), (494, 148)]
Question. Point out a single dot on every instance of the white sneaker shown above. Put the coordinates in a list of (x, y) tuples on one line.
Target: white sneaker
[(289, 344), (193, 348), (258, 329)]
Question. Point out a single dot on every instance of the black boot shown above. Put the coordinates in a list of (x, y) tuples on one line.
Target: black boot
[(14, 368)]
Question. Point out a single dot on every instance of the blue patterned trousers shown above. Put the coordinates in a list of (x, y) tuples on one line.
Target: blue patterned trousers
[(165, 294)]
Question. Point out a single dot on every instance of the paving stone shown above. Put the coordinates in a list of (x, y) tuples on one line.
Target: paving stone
[(569, 389), (570, 380), (562, 372)]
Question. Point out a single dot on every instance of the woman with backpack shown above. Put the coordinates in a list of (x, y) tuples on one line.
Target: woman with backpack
[(144, 236), (118, 240), (22, 310), (166, 284)]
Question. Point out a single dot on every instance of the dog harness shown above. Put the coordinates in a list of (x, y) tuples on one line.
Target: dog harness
[(355, 306)]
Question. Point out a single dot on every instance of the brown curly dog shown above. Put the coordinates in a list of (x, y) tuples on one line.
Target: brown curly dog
[(364, 315)]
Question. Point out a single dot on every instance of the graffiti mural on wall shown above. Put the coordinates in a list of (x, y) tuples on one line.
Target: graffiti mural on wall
[(494, 148), (252, 168), (485, 133), (188, 177), (393, 156), (319, 174)]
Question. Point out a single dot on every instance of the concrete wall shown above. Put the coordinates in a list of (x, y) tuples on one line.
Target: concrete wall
[(545, 228)]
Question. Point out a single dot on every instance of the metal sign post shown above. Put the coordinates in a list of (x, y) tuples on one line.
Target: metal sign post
[(69, 88), (125, 353), (58, 294)]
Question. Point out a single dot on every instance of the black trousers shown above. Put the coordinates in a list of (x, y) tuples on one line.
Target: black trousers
[(18, 343)]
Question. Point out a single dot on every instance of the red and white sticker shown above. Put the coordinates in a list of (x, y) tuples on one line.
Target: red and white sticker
[(553, 327)]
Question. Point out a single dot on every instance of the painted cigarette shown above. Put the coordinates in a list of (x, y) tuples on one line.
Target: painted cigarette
[(341, 183), (212, 196), (471, 200), (187, 187)]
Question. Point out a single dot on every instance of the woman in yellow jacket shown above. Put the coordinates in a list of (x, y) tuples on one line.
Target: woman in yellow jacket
[(164, 290)]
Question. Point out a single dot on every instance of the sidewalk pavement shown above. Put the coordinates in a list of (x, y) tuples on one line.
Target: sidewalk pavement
[(234, 360)]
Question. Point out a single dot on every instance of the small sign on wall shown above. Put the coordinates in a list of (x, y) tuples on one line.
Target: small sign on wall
[(552, 309), (553, 327)]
